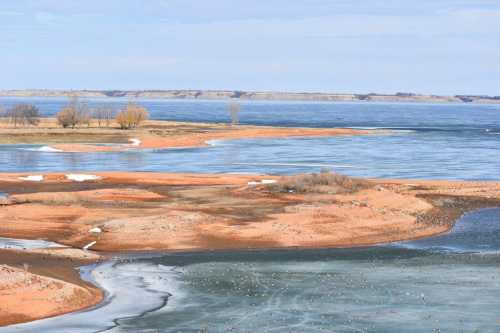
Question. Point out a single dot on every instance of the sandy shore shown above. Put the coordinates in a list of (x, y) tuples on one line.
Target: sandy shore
[(195, 212), (43, 283), (152, 134), (179, 212), (150, 140)]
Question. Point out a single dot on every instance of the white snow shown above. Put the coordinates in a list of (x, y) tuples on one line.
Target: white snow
[(86, 247), (81, 177), (135, 142), (95, 230), (263, 181), (49, 149), (32, 178)]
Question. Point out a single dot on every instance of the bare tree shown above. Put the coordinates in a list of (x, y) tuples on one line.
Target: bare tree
[(3, 114), (234, 111), (104, 115), (131, 116), (74, 113), (23, 114)]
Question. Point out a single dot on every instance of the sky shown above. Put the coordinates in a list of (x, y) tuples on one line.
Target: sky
[(363, 46)]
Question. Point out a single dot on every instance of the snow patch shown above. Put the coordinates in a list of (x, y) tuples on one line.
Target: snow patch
[(32, 178), (263, 182), (49, 149), (135, 142), (95, 230), (89, 245), (81, 177)]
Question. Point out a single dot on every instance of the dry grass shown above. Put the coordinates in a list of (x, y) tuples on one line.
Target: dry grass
[(323, 182)]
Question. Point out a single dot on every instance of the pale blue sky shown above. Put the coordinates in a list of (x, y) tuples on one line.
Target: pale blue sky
[(425, 46)]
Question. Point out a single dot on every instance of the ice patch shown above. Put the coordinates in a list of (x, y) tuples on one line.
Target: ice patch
[(32, 178), (95, 230), (26, 244), (81, 177)]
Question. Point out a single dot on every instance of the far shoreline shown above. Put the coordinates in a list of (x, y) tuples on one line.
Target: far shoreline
[(221, 95)]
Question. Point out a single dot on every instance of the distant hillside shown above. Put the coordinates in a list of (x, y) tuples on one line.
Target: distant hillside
[(257, 95)]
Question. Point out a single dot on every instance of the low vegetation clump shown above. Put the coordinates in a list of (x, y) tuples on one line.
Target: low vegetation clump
[(131, 116), (73, 114), (323, 182)]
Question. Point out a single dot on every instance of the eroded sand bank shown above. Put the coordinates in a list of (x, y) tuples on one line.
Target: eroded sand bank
[(37, 284)]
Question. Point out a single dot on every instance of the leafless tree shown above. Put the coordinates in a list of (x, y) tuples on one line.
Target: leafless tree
[(131, 116), (104, 115), (23, 114), (3, 114), (234, 111), (74, 113)]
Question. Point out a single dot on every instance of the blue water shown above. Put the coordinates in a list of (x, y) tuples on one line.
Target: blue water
[(429, 141), (449, 283), (314, 114)]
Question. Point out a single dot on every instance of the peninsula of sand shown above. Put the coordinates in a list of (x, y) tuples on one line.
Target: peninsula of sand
[(96, 213)]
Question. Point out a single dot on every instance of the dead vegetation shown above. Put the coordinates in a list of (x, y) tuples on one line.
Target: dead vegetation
[(323, 182)]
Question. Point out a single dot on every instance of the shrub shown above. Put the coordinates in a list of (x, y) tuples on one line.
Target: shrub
[(131, 116), (23, 114), (73, 114), (323, 182)]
